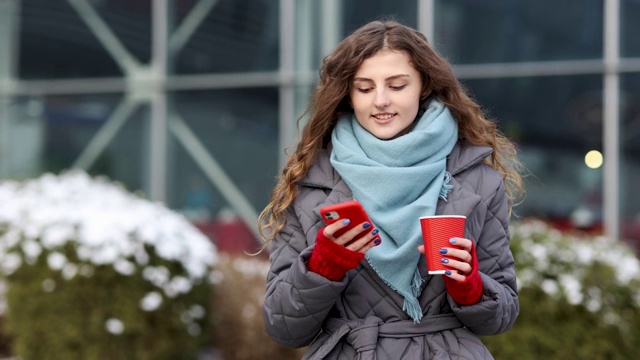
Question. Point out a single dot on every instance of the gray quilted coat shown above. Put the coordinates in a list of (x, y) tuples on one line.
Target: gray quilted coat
[(360, 317)]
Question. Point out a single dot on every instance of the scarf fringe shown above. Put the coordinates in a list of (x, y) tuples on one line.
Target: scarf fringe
[(446, 187), (411, 305)]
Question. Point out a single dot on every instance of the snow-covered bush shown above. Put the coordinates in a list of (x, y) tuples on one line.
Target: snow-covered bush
[(586, 271), (93, 271), (579, 297)]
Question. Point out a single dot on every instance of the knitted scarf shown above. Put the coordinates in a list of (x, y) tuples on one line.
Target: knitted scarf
[(397, 181)]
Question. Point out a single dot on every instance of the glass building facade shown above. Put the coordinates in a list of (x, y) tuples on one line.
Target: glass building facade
[(194, 102)]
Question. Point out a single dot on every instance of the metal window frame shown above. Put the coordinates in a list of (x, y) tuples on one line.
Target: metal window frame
[(286, 78)]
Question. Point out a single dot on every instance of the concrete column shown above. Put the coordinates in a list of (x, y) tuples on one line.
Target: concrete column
[(611, 119), (9, 31)]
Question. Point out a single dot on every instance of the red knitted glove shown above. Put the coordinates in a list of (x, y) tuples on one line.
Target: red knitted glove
[(332, 260), (469, 291)]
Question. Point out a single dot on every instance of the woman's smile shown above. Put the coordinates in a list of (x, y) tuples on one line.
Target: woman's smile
[(384, 118)]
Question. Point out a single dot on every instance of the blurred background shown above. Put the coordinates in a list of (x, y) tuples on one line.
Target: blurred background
[(193, 102)]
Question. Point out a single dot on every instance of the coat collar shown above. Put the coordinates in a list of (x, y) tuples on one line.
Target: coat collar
[(464, 156)]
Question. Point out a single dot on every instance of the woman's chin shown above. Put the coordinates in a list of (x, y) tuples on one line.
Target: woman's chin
[(388, 134)]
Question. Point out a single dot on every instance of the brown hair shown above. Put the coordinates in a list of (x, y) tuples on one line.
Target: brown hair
[(331, 98)]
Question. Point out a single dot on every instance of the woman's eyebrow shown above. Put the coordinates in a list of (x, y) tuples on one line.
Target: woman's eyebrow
[(387, 79)]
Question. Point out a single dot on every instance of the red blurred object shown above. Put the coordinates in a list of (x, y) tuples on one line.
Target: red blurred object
[(231, 236)]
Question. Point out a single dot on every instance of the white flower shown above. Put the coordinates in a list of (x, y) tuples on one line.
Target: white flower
[(197, 311), (31, 249), (151, 301), (69, 271), (549, 286), (85, 270), (11, 263), (157, 275), (572, 288), (178, 285), (114, 326), (56, 261), (216, 277), (57, 235), (194, 329), (49, 285), (11, 238), (124, 267)]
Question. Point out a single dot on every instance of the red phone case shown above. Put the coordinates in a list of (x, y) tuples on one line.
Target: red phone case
[(351, 210)]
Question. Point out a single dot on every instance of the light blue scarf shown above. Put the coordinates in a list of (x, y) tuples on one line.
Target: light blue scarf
[(397, 181)]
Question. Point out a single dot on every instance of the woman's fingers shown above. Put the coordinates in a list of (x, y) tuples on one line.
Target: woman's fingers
[(366, 242), (455, 275), (352, 238), (461, 266), (329, 230), (361, 243), (461, 249), (458, 258)]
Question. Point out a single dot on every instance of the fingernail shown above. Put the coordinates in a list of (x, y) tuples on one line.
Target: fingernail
[(346, 222), (447, 272), (366, 225), (375, 232), (444, 261), (452, 240), (443, 251), (377, 241)]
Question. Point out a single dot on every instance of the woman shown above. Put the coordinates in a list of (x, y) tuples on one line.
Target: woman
[(391, 126)]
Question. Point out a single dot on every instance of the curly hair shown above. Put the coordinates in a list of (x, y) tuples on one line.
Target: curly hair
[(331, 99)]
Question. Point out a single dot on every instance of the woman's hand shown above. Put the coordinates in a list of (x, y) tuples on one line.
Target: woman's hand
[(334, 257), (349, 239), (461, 251)]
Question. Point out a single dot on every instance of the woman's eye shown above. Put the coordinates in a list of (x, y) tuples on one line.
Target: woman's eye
[(364, 90), (400, 87)]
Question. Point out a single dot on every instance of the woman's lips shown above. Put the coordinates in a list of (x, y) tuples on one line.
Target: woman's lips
[(384, 118)]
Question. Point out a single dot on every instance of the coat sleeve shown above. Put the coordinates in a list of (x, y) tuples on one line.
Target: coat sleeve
[(499, 307), (297, 300)]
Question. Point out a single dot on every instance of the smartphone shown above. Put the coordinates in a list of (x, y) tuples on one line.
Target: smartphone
[(351, 210)]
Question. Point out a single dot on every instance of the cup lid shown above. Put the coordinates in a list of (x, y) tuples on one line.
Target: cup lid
[(443, 216)]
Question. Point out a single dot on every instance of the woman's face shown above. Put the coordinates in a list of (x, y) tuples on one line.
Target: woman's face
[(385, 94)]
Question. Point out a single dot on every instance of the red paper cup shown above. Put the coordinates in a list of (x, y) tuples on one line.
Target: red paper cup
[(436, 232)]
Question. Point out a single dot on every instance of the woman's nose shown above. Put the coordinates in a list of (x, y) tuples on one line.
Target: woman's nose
[(382, 100)]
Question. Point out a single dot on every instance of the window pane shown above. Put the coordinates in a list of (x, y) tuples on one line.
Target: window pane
[(319, 27), (630, 159), (239, 128), (207, 208), (236, 35), (49, 134), (56, 43), (130, 21), (630, 28), (360, 12), (470, 31), (555, 122)]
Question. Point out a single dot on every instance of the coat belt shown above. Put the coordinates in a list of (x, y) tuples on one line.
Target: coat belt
[(363, 334)]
